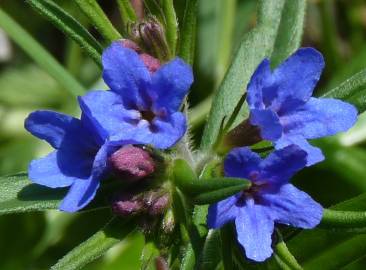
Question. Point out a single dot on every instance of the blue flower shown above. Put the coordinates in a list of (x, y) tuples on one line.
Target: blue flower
[(271, 199), (140, 106), (281, 105), (79, 161)]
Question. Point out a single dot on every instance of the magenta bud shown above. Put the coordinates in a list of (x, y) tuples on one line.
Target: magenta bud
[(132, 163), (159, 205), (152, 63), (127, 205)]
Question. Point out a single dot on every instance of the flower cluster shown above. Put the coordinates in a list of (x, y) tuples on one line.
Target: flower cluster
[(142, 107)]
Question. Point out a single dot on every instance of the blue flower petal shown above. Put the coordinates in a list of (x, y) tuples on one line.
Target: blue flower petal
[(314, 156), (51, 126), (46, 171), (282, 164), (268, 123), (222, 212), (320, 117), (84, 190), (259, 80), (254, 226), (107, 112), (292, 206), (170, 83), (242, 162), (166, 132), (295, 78), (126, 74)]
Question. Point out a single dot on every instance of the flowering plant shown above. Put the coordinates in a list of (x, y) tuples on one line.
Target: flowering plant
[(233, 182)]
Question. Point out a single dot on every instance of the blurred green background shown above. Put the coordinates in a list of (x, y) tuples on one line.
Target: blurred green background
[(38, 240)]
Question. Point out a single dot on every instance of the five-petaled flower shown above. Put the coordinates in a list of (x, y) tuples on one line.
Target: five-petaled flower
[(281, 105), (141, 106), (270, 199), (80, 158)]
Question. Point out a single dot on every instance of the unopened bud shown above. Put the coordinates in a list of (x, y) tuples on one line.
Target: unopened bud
[(127, 204), (156, 202), (150, 35), (150, 62), (132, 163)]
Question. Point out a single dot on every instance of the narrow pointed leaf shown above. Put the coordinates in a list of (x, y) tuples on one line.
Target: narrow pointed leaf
[(206, 189), (128, 14), (95, 246), (336, 219), (188, 32), (290, 31), (18, 194), (353, 90), (98, 18), (71, 27)]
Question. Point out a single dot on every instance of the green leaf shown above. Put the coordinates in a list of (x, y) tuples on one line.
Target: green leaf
[(315, 247), (336, 219), (19, 195), (211, 255), (205, 191), (171, 24), (353, 90), (98, 18), (256, 45), (95, 246), (221, 193), (128, 14), (283, 256), (340, 255), (67, 24), (290, 31), (39, 54), (188, 32)]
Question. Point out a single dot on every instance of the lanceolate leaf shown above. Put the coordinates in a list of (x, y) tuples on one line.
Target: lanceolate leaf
[(205, 191), (290, 30), (188, 32), (255, 46), (18, 194), (67, 24), (352, 90), (95, 246), (98, 18), (328, 248)]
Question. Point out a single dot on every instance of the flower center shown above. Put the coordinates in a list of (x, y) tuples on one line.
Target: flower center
[(147, 115)]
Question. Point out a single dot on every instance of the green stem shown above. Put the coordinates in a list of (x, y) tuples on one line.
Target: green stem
[(188, 32), (67, 24), (283, 256), (39, 54), (98, 18), (343, 219), (171, 24)]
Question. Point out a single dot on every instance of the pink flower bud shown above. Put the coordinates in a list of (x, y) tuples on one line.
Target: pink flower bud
[(152, 63), (132, 163), (127, 204)]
